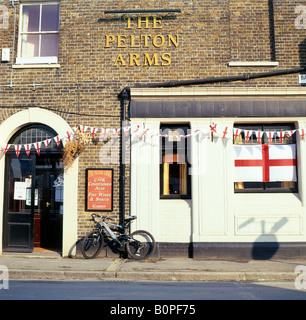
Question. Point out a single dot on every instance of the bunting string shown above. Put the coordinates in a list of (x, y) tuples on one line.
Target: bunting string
[(213, 130)]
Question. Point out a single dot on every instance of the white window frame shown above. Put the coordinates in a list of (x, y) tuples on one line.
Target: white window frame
[(35, 60)]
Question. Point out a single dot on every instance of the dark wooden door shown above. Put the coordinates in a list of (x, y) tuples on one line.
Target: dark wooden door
[(18, 209)]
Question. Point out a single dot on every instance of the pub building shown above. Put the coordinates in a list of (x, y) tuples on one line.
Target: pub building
[(190, 115)]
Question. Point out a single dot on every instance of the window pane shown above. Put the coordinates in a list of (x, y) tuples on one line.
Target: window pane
[(34, 134), (50, 17), (174, 178), (30, 18), (30, 46), (49, 45), (20, 170)]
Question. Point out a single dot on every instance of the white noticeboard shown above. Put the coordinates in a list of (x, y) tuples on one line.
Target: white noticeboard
[(20, 191)]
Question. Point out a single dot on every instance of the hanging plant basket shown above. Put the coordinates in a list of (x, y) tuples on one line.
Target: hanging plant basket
[(73, 149)]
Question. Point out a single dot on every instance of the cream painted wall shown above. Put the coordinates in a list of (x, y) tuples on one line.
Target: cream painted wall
[(215, 213)]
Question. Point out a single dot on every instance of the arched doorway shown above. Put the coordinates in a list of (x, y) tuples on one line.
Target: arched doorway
[(8, 128), (33, 196)]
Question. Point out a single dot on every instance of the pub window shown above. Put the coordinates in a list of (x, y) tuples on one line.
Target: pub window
[(265, 158), (175, 181), (38, 33)]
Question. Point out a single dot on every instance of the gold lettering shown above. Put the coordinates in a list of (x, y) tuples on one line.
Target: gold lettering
[(148, 60), (146, 21), (161, 42), (121, 41), (129, 19), (109, 38), (133, 42), (121, 60), (142, 41), (157, 23), (171, 39), (167, 59), (134, 59), (146, 37)]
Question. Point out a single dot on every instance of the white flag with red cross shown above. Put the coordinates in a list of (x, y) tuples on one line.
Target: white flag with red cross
[(265, 163)]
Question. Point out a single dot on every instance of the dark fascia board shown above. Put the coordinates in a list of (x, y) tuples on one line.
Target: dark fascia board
[(200, 108)]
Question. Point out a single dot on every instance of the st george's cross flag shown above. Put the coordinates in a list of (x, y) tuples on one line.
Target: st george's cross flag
[(264, 163)]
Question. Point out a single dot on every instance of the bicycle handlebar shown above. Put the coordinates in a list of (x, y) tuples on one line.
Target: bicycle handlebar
[(95, 215)]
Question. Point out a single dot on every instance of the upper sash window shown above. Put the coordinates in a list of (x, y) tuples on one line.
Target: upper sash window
[(38, 33)]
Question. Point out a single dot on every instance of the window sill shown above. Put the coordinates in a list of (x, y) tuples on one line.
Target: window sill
[(36, 66), (253, 64), (175, 197)]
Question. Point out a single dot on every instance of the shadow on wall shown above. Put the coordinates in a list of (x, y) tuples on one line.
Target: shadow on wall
[(263, 250)]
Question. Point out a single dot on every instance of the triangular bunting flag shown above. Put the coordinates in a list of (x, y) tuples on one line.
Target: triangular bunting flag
[(302, 133), (136, 129), (104, 132), (259, 135), (83, 128), (6, 148), (289, 133), (145, 131), (57, 140), (225, 132), (280, 135), (236, 133), (28, 149), (247, 135), (126, 130), (213, 128), (270, 135), (46, 142), (116, 131), (93, 131), (17, 149), (69, 135), (37, 146)]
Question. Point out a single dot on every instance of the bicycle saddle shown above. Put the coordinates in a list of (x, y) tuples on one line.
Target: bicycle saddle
[(131, 218)]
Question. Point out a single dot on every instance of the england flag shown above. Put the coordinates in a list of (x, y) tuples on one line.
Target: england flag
[(264, 163)]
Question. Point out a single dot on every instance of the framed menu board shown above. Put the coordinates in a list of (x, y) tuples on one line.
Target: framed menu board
[(99, 190)]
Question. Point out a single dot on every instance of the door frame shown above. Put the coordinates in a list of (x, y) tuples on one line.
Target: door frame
[(40, 116)]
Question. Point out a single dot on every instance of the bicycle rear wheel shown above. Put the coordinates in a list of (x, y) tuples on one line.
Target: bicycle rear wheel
[(92, 245), (141, 245)]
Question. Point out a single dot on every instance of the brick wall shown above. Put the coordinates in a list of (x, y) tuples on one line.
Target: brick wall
[(200, 42)]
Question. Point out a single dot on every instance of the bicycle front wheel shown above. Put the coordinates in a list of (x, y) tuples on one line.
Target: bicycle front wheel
[(141, 245), (92, 245)]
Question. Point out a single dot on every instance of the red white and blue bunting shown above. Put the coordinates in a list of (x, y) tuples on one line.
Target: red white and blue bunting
[(142, 132)]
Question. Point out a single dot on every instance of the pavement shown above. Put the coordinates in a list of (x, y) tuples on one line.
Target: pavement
[(51, 266)]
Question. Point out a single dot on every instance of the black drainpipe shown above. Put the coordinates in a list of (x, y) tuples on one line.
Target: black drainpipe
[(124, 96)]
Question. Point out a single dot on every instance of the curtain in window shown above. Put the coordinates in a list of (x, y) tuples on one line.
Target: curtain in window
[(174, 172)]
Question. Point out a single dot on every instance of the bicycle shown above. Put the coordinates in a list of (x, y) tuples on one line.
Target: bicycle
[(139, 245)]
